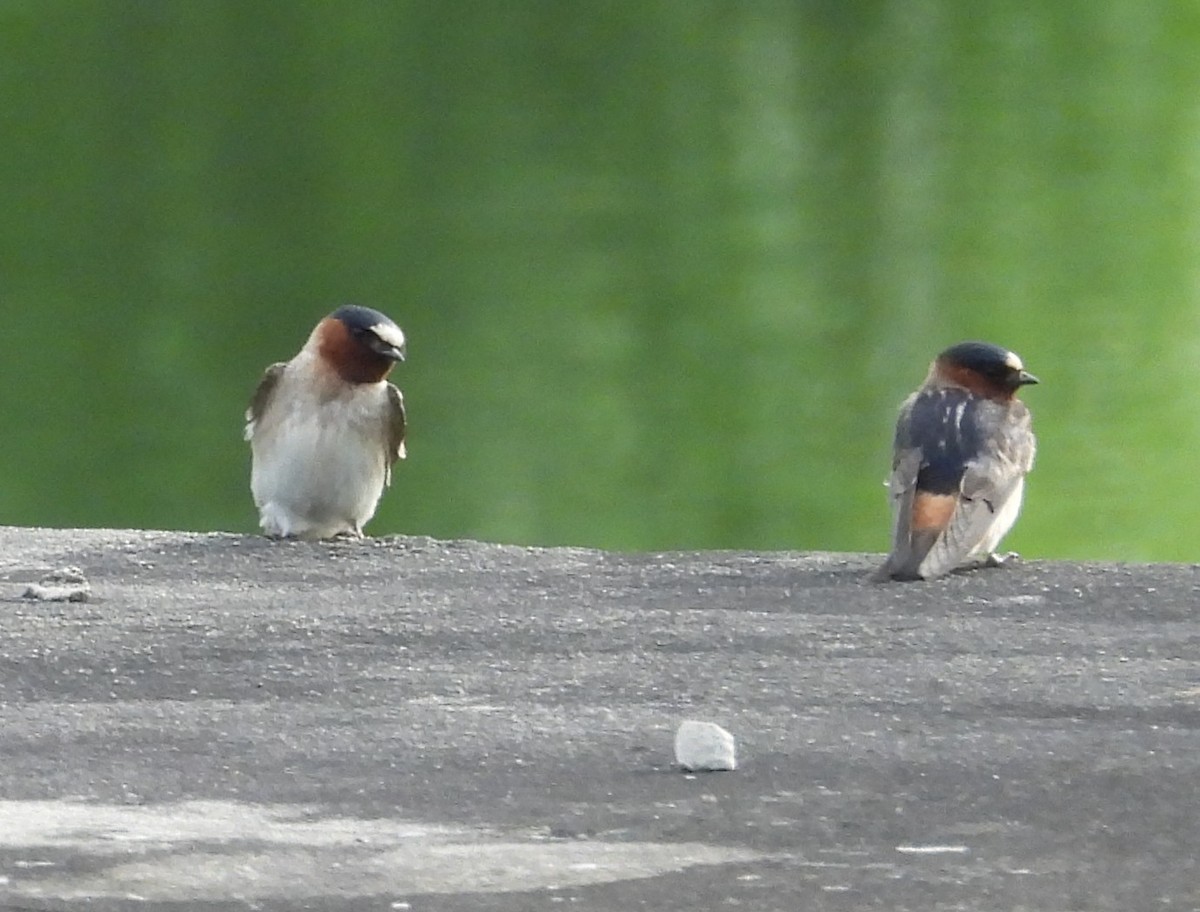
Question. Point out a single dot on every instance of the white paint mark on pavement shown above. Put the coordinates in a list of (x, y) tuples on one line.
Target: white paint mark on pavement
[(933, 849), (225, 850)]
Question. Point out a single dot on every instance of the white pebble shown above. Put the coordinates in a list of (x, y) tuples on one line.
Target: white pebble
[(704, 747), (64, 585)]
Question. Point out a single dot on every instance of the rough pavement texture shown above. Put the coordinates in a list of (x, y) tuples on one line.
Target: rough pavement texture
[(401, 723)]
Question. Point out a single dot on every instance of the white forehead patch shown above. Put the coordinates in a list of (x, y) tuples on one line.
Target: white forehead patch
[(389, 334), (1013, 362)]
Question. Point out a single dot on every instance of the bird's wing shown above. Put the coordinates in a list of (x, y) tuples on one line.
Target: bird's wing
[(262, 396), (987, 484), (396, 428), (906, 554), (957, 461)]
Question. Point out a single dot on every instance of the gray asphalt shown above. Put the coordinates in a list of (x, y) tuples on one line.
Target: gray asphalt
[(401, 723)]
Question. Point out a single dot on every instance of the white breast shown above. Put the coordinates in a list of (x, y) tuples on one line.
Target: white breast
[(319, 456)]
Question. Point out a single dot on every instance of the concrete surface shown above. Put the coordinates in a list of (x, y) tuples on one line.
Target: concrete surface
[(400, 723)]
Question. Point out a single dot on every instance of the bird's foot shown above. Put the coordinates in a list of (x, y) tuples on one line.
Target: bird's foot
[(1001, 560)]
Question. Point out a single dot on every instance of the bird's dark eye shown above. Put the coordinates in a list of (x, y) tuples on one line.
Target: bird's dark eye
[(997, 372)]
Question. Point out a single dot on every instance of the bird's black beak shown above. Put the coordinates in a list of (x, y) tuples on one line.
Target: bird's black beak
[(391, 352)]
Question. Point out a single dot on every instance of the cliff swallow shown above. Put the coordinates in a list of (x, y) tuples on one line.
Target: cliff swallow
[(964, 443), (326, 428)]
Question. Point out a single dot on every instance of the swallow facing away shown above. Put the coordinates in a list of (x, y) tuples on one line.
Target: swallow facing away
[(964, 443), (326, 428)]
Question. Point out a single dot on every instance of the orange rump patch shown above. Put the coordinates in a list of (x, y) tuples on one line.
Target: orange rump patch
[(932, 511)]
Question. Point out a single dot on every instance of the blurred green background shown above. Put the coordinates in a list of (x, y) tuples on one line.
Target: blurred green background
[(666, 268)]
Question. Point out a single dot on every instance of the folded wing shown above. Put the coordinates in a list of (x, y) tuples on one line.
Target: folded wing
[(397, 428), (958, 464), (262, 397)]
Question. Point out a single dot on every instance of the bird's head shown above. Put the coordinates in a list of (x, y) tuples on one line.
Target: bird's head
[(361, 344), (983, 368)]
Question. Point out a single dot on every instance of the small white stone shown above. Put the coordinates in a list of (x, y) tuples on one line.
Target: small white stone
[(67, 584), (704, 747)]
